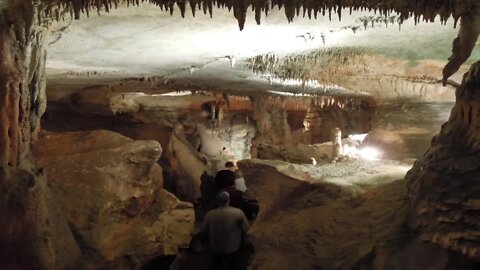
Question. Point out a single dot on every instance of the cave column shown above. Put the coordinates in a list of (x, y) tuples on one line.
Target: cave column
[(444, 184), (33, 229), (22, 82)]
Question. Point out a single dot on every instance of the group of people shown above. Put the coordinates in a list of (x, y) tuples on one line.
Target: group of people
[(231, 181), (228, 211)]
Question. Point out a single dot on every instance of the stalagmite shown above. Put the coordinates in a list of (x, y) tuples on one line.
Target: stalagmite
[(213, 111), (336, 144), (220, 115)]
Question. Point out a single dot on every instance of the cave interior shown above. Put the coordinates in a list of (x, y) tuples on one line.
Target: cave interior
[(355, 125)]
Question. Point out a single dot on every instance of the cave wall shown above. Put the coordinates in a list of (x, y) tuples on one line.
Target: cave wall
[(33, 230), (110, 189), (31, 221), (444, 184), (22, 78)]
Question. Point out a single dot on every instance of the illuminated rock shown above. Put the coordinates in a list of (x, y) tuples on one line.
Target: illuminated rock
[(333, 216), (110, 189)]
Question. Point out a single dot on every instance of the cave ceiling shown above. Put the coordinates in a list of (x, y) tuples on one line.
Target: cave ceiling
[(204, 53)]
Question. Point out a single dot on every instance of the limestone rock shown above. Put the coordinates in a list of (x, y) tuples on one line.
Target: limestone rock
[(110, 188), (332, 217), (33, 229), (444, 184)]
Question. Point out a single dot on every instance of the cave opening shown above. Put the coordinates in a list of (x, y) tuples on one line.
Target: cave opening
[(330, 121)]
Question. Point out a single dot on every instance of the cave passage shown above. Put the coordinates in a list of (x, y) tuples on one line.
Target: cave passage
[(355, 135)]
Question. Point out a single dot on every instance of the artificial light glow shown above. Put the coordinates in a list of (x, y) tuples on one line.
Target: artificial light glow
[(369, 153), (358, 137), (350, 151)]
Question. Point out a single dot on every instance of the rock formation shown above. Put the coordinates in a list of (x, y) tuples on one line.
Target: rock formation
[(34, 228), (332, 217), (443, 184), (110, 189), (424, 9)]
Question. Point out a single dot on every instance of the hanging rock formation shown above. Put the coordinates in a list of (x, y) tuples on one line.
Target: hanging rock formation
[(352, 115), (425, 9), (464, 43)]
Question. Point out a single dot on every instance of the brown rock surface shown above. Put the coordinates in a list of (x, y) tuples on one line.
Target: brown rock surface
[(110, 188), (33, 230), (325, 217), (444, 184)]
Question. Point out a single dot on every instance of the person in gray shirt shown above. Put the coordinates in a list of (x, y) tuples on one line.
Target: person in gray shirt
[(224, 228)]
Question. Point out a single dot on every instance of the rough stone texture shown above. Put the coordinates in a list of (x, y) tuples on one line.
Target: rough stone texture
[(33, 230), (444, 184), (465, 42), (347, 215), (399, 133), (22, 80), (424, 8), (186, 167), (325, 217), (110, 188), (352, 116)]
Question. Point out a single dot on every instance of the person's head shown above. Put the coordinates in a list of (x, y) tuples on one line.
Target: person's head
[(229, 165), (222, 199), (225, 178)]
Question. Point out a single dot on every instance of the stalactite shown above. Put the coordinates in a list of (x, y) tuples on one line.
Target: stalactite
[(192, 6), (182, 4), (210, 8), (417, 9), (204, 7), (258, 11), (171, 7), (463, 45)]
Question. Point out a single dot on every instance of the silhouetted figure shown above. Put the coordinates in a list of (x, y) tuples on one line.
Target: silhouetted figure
[(225, 228), (208, 191), (225, 181)]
